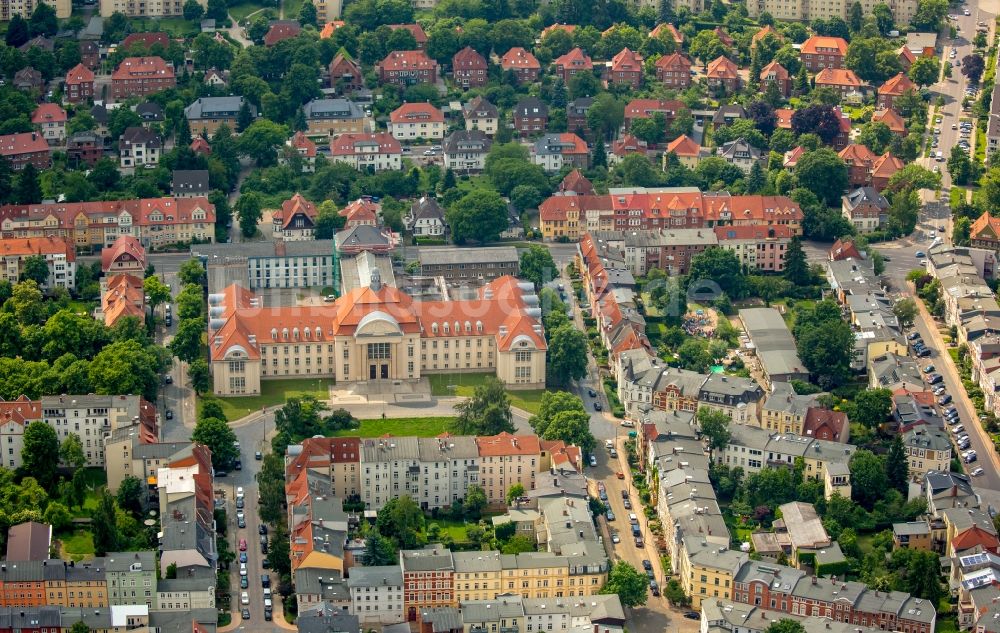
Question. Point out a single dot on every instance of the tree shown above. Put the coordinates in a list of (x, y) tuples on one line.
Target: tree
[(307, 14), (820, 120), (517, 544), (796, 267), (872, 407), (156, 291), (26, 303), (401, 520), (625, 580), (605, 115), (897, 467), (716, 268), (58, 516), (516, 491), (714, 425), (35, 268), (785, 626), (43, 20), (929, 15), (638, 171), (480, 215), (868, 478), (706, 46), (824, 173), (537, 265), (487, 412), (219, 438), (825, 343), (28, 188), (972, 67), (107, 537), (129, 495), (906, 311), (475, 502), (71, 452), (378, 550), (960, 166), (40, 453), (525, 197), (262, 138), (567, 355), (763, 116), (186, 344), (193, 11), (126, 367), (925, 70), (244, 118), (199, 375), (876, 136), (249, 210), (17, 31), (192, 272)]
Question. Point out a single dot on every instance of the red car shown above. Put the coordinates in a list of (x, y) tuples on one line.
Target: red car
[(243, 545)]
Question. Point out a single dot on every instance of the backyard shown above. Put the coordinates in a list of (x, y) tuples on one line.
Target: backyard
[(275, 392), (77, 546), (464, 384), (241, 10), (419, 427)]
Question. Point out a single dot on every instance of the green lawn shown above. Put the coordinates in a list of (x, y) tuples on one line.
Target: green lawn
[(419, 427), (455, 529), (274, 392), (175, 27), (242, 9), (78, 546), (464, 384)]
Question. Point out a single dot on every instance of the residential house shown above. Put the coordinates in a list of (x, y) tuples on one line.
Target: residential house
[(674, 71), (775, 73), (84, 148), (295, 220), (50, 121), (469, 68), (552, 151), (894, 88), (843, 81), (150, 113), (912, 535), (522, 64), (362, 212), (761, 248), (376, 594), (25, 148), (466, 150), (626, 69), (481, 115), (345, 74), (141, 76), (985, 232), (281, 30), (576, 115), (59, 255), (573, 62), (647, 108), (122, 295), (727, 113), (92, 417), (741, 153), (821, 51), (865, 208), (216, 78), (426, 218), (190, 183), (531, 116), (79, 86), (417, 31), (892, 119), (413, 121), (139, 147), (372, 152), (126, 256), (28, 80), (723, 75), (332, 117), (301, 146), (627, 144), (207, 114), (739, 398), (686, 149), (576, 182), (405, 68), (927, 449)]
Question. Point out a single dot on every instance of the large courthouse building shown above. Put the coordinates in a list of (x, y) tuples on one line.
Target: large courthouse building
[(377, 332)]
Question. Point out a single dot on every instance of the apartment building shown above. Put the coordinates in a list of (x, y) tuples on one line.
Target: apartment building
[(405, 68), (139, 147), (865, 208), (345, 74), (428, 579), (469, 68), (92, 418), (674, 71), (332, 117), (376, 594), (820, 51), (803, 11), (185, 487), (295, 264), (465, 265), (14, 416), (131, 578), (141, 76), (522, 64), (206, 114), (59, 255), (506, 460), (412, 121), (50, 121), (928, 449), (626, 69), (25, 148), (466, 150), (481, 115), (739, 398), (372, 152), (154, 221)]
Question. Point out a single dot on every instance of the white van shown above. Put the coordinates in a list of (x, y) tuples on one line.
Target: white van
[(609, 444)]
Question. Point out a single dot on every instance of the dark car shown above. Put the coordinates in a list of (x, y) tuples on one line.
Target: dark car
[(265, 581), (591, 393), (913, 336), (267, 615), (169, 379), (610, 515), (262, 529), (170, 414), (221, 473), (241, 522), (624, 494), (692, 615), (258, 456), (263, 548), (924, 352), (654, 588), (945, 399), (240, 503), (243, 558), (266, 564), (639, 542), (597, 406), (239, 465), (246, 614), (244, 583), (934, 379)]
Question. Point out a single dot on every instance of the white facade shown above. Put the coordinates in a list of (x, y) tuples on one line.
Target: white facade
[(62, 271), (53, 131), (408, 131), (374, 160), (90, 418), (140, 155), (431, 227), (12, 441), (376, 594), (550, 161), (171, 598)]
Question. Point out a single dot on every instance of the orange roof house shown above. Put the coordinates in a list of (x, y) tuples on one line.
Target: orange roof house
[(571, 63), (361, 212), (666, 27), (821, 51), (522, 63), (416, 30), (125, 255), (906, 57), (329, 28), (723, 74), (844, 249), (892, 119), (840, 79), (894, 88), (124, 297), (764, 32), (687, 150), (775, 73), (295, 219), (626, 69), (674, 70), (576, 182), (566, 28), (985, 232)]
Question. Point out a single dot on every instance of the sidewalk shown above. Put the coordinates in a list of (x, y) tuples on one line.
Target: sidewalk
[(236, 619)]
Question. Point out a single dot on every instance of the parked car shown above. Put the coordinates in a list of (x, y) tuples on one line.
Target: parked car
[(639, 542), (977, 472), (627, 503), (261, 529), (923, 353), (243, 582), (593, 461), (246, 614), (958, 429), (647, 565), (939, 390), (597, 406), (243, 545), (654, 588), (610, 515), (934, 379), (591, 393), (692, 615), (912, 336), (929, 369), (624, 494), (258, 456), (615, 538), (244, 598), (945, 399)]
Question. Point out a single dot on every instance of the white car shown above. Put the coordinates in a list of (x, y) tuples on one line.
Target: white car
[(243, 569), (957, 429), (239, 492), (628, 423), (966, 12), (977, 472), (244, 598)]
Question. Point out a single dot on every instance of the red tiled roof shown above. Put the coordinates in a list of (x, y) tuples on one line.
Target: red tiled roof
[(558, 207), (21, 410), (891, 118), (575, 59), (838, 77), (346, 144), (468, 58), (142, 68), (665, 26), (645, 108), (722, 68), (897, 85), (672, 61), (983, 222), (23, 143), (764, 32), (124, 297), (626, 60), (415, 29), (296, 205), (568, 28), (416, 113), (25, 247), (776, 68), (577, 182), (330, 27), (281, 31), (817, 418), (407, 60), (361, 210), (301, 142), (200, 146), (684, 145), (517, 57), (844, 249), (48, 113), (824, 45), (124, 244), (975, 536), (170, 210), (79, 74), (507, 444)]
